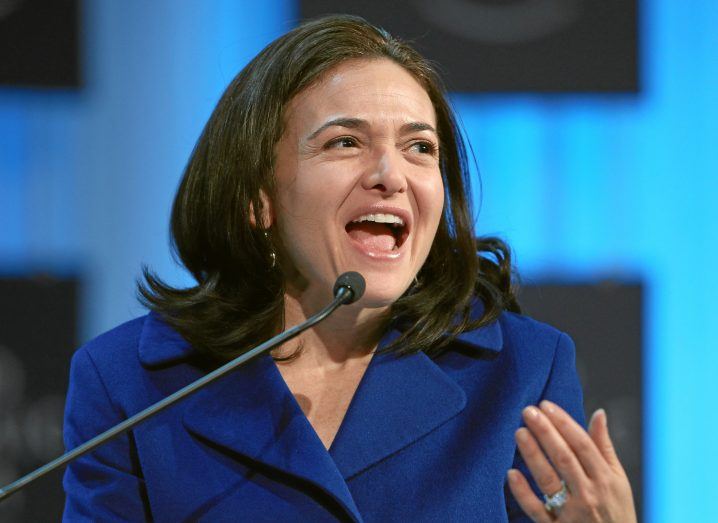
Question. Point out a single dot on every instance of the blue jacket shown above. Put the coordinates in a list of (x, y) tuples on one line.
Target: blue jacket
[(424, 439)]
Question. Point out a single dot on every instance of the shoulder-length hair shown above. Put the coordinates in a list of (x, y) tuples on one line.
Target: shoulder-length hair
[(216, 219)]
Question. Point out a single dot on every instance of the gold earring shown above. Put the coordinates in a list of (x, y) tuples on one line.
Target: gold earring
[(272, 254)]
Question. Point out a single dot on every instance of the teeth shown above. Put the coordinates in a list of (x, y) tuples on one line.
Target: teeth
[(380, 218)]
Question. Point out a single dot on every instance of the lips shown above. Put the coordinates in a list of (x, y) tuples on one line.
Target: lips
[(379, 231)]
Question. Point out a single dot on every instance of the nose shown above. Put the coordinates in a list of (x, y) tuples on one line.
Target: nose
[(384, 173)]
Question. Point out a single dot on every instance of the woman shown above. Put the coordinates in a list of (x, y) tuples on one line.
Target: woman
[(335, 150)]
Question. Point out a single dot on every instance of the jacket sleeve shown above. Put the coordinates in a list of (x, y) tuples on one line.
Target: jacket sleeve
[(105, 484), (564, 389)]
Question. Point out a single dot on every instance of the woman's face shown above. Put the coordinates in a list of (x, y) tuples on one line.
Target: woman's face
[(358, 181)]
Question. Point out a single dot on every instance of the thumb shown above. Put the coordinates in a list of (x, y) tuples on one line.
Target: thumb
[(598, 429)]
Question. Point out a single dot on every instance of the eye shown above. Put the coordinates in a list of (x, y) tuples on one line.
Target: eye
[(343, 142), (424, 147)]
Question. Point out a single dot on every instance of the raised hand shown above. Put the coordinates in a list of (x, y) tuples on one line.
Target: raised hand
[(578, 471)]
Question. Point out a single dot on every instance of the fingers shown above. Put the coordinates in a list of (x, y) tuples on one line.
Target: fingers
[(526, 498), (542, 471), (554, 446), (584, 446), (558, 451), (598, 429)]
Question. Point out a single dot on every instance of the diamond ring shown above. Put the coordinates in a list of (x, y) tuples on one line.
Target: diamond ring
[(554, 502)]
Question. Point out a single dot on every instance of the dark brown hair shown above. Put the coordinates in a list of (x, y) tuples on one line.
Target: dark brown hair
[(239, 297)]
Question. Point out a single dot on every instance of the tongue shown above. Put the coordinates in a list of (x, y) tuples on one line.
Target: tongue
[(374, 236)]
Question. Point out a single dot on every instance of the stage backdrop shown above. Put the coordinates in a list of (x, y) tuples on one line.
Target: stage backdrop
[(39, 43), (38, 335), (518, 45), (605, 320)]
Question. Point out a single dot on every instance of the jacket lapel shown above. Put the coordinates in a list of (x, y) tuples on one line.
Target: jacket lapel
[(399, 400), (252, 412)]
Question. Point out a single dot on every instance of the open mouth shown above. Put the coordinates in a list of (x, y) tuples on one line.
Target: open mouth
[(378, 232)]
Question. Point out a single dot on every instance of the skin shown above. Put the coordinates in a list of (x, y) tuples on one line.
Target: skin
[(554, 446), (326, 175), (326, 172), (360, 137), (363, 136)]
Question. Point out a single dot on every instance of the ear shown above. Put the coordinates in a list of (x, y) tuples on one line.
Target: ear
[(267, 211)]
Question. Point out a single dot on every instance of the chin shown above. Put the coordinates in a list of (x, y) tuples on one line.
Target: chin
[(380, 294)]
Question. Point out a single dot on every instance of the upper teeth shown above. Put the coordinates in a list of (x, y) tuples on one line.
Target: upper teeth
[(380, 218)]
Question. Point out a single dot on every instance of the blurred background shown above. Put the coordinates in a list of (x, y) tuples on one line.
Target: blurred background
[(594, 126)]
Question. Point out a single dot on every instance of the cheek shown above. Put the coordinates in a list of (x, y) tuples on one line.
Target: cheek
[(297, 201), (430, 199), (305, 211)]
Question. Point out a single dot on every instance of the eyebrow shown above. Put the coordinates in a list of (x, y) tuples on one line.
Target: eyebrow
[(357, 123), (417, 126), (349, 123)]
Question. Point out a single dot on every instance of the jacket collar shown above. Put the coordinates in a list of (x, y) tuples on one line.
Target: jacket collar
[(399, 399), (253, 413), (488, 337), (160, 344)]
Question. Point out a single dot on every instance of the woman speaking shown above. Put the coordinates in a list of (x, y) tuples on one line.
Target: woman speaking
[(429, 399)]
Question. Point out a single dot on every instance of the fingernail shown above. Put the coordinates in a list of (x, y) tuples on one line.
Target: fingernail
[(531, 412), (521, 435), (601, 413), (512, 475), (548, 406)]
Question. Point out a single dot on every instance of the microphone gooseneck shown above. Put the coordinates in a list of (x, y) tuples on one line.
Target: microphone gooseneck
[(348, 288)]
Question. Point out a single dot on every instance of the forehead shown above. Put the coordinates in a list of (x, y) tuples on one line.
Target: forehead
[(376, 89)]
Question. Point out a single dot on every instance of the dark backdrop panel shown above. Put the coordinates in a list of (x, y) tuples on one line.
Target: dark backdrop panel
[(38, 334), (39, 43), (513, 45), (605, 320)]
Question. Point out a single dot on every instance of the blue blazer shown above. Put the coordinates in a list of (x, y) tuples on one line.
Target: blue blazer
[(424, 439)]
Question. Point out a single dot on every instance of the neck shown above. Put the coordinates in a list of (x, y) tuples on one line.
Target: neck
[(349, 335)]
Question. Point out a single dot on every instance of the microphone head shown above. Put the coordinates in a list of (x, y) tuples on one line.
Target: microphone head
[(352, 281)]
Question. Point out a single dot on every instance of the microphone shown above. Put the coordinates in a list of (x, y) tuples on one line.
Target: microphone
[(348, 288), (352, 281)]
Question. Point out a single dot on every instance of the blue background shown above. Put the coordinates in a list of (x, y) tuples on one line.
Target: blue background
[(581, 185)]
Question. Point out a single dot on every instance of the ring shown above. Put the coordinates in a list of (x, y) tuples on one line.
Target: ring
[(555, 501)]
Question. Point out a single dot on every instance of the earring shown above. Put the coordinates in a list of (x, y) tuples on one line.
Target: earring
[(272, 254)]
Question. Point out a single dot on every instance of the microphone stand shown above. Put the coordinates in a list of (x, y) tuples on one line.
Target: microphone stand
[(347, 290)]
